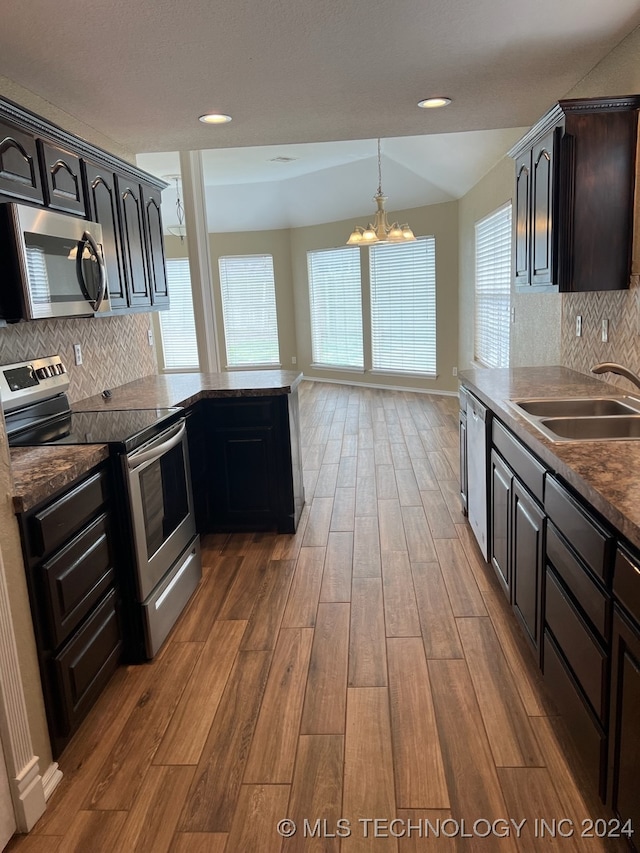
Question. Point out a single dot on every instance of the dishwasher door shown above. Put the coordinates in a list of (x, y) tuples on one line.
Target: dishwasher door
[(478, 425)]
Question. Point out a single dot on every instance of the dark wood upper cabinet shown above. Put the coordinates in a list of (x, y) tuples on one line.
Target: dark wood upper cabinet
[(42, 164), (62, 179), (133, 242), (574, 196), (522, 205), (19, 170), (155, 247), (102, 207)]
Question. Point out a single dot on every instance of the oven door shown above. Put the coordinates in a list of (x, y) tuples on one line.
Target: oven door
[(161, 504)]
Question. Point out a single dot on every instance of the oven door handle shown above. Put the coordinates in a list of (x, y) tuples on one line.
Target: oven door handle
[(138, 458)]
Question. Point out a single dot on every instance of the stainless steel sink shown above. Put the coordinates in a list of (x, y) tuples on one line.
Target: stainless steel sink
[(594, 429), (583, 418), (579, 407)]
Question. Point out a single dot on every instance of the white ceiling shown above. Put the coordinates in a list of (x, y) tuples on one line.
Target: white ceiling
[(308, 71), (248, 190)]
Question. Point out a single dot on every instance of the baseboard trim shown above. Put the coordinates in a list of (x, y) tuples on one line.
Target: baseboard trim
[(381, 387), (51, 778)]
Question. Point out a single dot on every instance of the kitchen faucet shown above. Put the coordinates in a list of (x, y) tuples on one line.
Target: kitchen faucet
[(612, 367)]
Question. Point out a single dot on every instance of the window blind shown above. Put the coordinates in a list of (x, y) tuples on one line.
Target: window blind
[(403, 306), (177, 325), (493, 288), (335, 294), (249, 310)]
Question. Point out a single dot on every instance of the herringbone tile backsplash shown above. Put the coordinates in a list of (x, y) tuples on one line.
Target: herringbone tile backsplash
[(622, 309), (115, 350)]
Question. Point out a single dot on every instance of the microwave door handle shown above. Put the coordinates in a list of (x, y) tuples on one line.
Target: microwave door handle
[(138, 458), (87, 237)]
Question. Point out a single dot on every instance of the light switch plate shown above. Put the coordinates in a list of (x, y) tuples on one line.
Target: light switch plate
[(605, 331), (579, 326)]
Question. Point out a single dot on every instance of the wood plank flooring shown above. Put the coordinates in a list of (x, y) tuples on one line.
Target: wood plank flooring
[(366, 668)]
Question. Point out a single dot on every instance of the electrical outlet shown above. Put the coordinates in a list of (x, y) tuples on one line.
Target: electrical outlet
[(455, 371), (77, 354), (294, 360), (605, 331), (578, 326), (150, 337)]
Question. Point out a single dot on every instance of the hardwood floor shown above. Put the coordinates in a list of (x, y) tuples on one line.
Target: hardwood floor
[(365, 668)]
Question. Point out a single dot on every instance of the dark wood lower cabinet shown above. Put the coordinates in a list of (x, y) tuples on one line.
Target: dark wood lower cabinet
[(71, 556), (624, 729), (246, 463), (501, 477), (528, 522)]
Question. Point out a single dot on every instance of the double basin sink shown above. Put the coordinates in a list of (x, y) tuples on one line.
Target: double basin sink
[(583, 418)]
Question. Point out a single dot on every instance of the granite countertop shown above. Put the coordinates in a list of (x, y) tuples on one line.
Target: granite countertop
[(38, 472), (184, 389), (606, 473)]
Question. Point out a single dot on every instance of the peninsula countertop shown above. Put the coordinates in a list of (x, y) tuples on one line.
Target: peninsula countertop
[(39, 472), (605, 472)]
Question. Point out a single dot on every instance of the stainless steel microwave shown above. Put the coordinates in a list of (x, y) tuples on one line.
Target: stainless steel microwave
[(52, 265)]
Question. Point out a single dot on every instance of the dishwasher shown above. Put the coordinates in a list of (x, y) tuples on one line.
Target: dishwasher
[(478, 426)]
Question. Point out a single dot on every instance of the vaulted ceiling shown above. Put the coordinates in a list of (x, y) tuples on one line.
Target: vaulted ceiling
[(292, 72)]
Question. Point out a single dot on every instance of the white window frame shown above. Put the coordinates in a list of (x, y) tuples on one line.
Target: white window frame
[(241, 315), (492, 287), (335, 305), (403, 308), (177, 324)]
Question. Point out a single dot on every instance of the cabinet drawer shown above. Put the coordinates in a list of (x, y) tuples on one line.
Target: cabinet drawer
[(578, 646), (526, 466), (593, 601), (585, 732), (85, 664), (54, 524), (77, 577), (589, 538), (626, 582)]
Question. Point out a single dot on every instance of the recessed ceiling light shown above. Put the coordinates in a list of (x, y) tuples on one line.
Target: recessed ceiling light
[(214, 118), (432, 103)]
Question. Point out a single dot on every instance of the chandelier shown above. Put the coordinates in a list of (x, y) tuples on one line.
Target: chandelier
[(379, 231), (178, 230)]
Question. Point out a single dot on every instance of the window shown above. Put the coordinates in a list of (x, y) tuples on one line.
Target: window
[(403, 307), (177, 325), (335, 292), (493, 288), (249, 310)]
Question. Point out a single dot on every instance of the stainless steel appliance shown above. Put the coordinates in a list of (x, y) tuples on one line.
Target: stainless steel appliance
[(53, 265), (161, 553), (478, 426)]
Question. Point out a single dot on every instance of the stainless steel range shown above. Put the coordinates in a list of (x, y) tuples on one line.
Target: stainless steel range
[(151, 466)]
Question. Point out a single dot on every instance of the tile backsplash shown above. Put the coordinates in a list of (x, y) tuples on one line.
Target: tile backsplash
[(115, 350), (622, 309)]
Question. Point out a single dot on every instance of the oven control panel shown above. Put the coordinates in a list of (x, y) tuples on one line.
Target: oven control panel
[(28, 382)]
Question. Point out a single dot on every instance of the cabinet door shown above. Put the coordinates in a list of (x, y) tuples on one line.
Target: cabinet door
[(19, 171), (542, 219), (527, 562), (155, 248), (134, 253), (62, 179), (624, 740), (523, 220), (501, 480), (102, 203), (244, 478)]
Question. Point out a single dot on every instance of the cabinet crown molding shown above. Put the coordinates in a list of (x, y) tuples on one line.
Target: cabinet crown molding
[(25, 120)]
